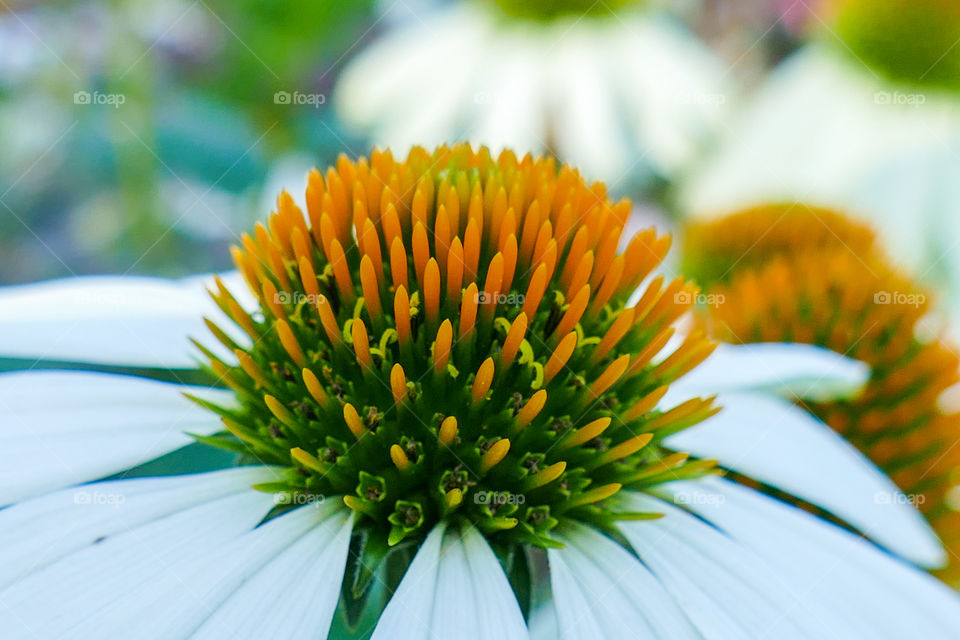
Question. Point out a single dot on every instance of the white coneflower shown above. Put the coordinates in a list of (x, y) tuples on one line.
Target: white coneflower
[(437, 391), (617, 86), (864, 118)]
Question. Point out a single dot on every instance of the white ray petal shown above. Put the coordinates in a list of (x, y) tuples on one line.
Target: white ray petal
[(587, 122), (725, 584), (883, 596), (296, 594), (101, 552), (454, 588), (602, 591), (66, 427), (790, 369), (776, 442), (112, 320), (41, 531), (673, 87)]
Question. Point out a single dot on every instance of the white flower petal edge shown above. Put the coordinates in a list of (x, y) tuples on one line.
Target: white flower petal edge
[(601, 591), (789, 369), (880, 595), (771, 440), (165, 564), (65, 427), (729, 591), (454, 588), (113, 320)]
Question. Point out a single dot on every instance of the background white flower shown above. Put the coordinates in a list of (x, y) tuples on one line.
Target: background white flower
[(622, 92)]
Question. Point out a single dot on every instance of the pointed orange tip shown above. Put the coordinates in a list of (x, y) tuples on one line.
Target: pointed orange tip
[(398, 383), (483, 380), (610, 376), (515, 335), (305, 459), (361, 344), (532, 408), (453, 498), (441, 346), (278, 409), (314, 387), (587, 433), (495, 454), (399, 458), (352, 418), (560, 356), (546, 476), (448, 430)]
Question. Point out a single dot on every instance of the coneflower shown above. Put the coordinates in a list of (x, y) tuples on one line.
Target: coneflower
[(793, 274), (457, 418), (449, 337)]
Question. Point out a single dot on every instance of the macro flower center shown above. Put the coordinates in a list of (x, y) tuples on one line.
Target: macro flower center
[(449, 337)]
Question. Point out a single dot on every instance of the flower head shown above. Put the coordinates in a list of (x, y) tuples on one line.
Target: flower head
[(459, 426), (814, 276), (450, 337)]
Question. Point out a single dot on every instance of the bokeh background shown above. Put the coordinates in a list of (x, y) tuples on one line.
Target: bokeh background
[(143, 136)]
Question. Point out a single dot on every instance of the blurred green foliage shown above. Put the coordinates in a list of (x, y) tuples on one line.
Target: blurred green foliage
[(911, 41), (164, 181)]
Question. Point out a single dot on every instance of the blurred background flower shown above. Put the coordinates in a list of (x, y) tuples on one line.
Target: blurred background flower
[(621, 88), (864, 116)]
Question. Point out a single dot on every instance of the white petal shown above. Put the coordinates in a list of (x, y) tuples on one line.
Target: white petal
[(111, 320), (454, 588), (36, 533), (296, 594), (408, 614), (771, 440), (729, 591), (414, 85), (67, 427), (601, 591), (543, 621), (673, 86), (587, 124), (793, 370), (508, 109), (792, 145), (874, 591), (94, 544), (169, 578)]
